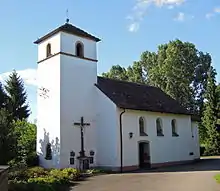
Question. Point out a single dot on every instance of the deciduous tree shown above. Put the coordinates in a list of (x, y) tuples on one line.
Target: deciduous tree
[(26, 134), (116, 72), (178, 68), (7, 141), (209, 120)]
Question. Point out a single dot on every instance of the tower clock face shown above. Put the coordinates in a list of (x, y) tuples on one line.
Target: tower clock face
[(44, 92)]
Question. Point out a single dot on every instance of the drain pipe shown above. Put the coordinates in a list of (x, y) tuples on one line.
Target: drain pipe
[(121, 140)]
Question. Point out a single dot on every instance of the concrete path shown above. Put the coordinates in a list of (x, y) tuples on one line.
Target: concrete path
[(193, 177)]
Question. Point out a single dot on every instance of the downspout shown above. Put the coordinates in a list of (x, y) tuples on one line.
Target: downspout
[(121, 140)]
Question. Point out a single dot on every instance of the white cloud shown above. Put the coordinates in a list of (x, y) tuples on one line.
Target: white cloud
[(140, 9), (29, 76), (217, 10), (192, 17), (170, 7), (180, 17), (209, 15), (134, 27)]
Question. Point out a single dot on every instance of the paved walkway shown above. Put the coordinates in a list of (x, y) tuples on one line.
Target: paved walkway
[(193, 177)]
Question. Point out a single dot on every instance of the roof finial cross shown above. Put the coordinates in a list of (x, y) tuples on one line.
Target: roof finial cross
[(67, 16)]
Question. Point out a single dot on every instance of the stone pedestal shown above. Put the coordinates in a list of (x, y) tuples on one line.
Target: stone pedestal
[(83, 162), (3, 178)]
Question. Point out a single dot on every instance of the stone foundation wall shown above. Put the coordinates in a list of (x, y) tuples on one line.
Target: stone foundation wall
[(3, 178), (155, 165)]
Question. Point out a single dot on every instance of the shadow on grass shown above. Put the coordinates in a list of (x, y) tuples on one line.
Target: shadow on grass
[(217, 178)]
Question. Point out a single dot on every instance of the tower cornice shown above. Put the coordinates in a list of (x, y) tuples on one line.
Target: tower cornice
[(67, 54)]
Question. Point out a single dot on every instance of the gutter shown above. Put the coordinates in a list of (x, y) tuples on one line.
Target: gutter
[(121, 140)]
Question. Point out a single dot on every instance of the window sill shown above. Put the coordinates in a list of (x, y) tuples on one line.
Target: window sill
[(49, 56), (160, 135), (48, 158), (143, 134), (79, 56), (175, 135)]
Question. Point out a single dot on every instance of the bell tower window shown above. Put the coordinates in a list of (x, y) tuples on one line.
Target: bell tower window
[(48, 50), (79, 49)]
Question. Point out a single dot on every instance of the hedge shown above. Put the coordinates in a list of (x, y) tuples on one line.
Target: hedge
[(40, 179)]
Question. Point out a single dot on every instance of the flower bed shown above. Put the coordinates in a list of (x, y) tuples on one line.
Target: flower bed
[(39, 179)]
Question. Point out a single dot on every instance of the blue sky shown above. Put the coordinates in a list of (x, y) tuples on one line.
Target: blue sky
[(126, 27)]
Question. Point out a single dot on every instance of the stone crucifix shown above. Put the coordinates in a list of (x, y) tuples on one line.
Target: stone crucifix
[(82, 125)]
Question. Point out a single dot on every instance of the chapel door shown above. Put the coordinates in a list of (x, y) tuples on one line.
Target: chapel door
[(144, 155)]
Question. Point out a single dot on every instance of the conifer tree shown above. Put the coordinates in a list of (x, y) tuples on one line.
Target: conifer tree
[(209, 120), (17, 97), (3, 97)]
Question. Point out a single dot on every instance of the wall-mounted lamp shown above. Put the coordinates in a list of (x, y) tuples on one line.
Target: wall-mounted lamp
[(131, 135)]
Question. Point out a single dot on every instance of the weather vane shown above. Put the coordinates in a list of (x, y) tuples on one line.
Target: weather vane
[(67, 16)]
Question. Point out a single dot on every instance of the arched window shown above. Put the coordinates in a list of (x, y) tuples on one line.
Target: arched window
[(159, 127), (79, 49), (48, 152), (142, 127), (48, 50), (174, 128)]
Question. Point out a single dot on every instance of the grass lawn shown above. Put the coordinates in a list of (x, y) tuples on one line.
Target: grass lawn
[(217, 178)]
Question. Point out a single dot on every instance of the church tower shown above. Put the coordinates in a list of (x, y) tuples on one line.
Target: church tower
[(67, 72)]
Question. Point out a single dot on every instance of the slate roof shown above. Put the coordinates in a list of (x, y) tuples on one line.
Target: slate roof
[(68, 28), (135, 96)]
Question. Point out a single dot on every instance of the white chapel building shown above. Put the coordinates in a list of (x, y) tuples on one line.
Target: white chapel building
[(127, 125)]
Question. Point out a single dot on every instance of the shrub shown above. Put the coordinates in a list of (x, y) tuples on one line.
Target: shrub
[(35, 179), (36, 172), (44, 180), (50, 183), (17, 175), (39, 179), (73, 174), (32, 160), (70, 171), (25, 134), (24, 186), (17, 164), (59, 175), (23, 174)]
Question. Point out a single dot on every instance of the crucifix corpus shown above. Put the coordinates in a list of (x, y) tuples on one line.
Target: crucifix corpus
[(82, 125)]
